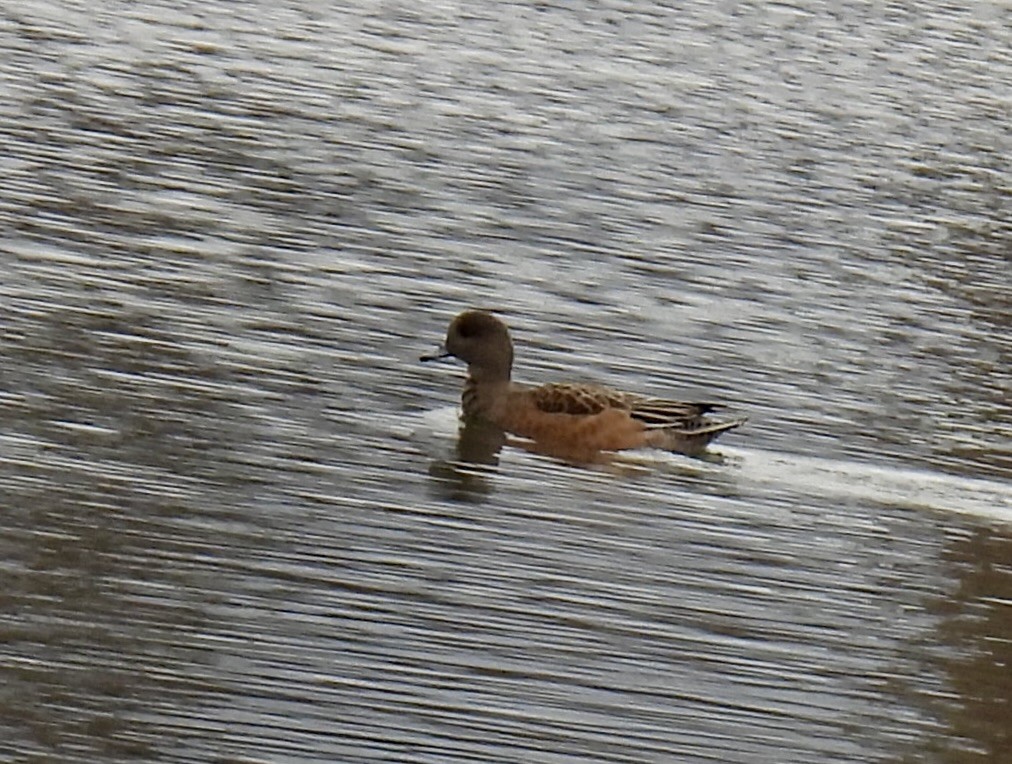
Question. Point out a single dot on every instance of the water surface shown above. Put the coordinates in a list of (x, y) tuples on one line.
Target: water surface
[(234, 525)]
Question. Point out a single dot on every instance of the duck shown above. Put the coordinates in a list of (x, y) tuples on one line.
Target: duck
[(577, 420)]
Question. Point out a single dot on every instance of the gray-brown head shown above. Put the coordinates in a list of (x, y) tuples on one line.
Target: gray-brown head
[(482, 341)]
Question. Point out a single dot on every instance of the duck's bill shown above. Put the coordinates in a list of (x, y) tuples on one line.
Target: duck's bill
[(440, 354)]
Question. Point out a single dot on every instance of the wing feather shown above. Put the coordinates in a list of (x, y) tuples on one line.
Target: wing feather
[(592, 399), (657, 412), (577, 399)]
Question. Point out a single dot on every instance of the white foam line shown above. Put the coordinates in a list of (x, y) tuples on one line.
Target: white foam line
[(871, 482)]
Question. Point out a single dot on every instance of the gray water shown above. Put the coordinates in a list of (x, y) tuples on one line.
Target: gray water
[(234, 523)]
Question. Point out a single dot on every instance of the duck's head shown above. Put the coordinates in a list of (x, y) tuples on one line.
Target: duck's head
[(480, 340)]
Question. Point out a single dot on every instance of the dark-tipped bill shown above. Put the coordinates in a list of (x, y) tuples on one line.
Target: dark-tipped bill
[(440, 353)]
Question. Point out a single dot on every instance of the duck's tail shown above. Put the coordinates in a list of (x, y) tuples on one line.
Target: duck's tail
[(691, 440)]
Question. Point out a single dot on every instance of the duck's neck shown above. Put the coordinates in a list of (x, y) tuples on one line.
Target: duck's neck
[(482, 389)]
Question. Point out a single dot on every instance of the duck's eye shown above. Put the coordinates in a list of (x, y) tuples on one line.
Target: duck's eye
[(466, 329)]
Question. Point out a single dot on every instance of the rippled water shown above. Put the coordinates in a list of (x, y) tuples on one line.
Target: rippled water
[(235, 525)]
